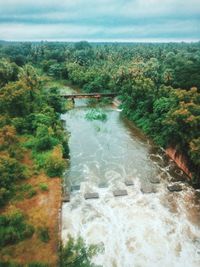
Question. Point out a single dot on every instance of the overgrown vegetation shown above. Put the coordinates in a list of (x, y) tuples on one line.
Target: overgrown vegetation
[(32, 141), (96, 114), (43, 233), (14, 228), (27, 109), (77, 254)]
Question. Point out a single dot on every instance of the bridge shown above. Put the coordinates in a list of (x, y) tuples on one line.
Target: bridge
[(89, 95)]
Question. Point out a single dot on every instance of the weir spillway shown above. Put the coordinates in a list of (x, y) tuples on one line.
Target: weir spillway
[(148, 227)]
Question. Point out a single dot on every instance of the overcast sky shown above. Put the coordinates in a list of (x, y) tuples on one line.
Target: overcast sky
[(100, 20)]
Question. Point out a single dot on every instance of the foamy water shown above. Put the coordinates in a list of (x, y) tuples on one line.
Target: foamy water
[(138, 230)]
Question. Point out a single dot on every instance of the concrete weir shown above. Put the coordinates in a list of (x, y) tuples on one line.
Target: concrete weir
[(66, 197), (120, 193), (75, 187), (91, 196), (129, 183), (103, 185)]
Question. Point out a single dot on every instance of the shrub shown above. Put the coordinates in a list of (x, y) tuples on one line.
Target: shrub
[(4, 120), (24, 191), (32, 192), (13, 228), (55, 164), (96, 114), (9, 142), (37, 264), (77, 254), (65, 149), (42, 119), (10, 171), (4, 195), (43, 233), (9, 264), (44, 187), (44, 138), (55, 101), (41, 158), (20, 124)]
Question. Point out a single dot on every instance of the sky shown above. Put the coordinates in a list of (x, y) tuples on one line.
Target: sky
[(100, 20)]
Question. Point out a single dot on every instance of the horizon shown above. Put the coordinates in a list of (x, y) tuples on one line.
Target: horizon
[(105, 41)]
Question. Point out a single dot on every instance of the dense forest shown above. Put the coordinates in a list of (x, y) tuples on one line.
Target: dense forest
[(158, 85)]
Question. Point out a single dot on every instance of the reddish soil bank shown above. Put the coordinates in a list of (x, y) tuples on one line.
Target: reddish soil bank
[(179, 159)]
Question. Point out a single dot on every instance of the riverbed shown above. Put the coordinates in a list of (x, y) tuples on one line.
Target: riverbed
[(151, 226)]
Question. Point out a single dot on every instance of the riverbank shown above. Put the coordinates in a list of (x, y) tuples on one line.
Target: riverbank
[(178, 158), (42, 211), (32, 161)]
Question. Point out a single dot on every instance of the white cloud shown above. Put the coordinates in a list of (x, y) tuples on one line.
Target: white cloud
[(99, 19)]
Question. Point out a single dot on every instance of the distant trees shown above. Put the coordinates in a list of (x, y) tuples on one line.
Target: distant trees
[(8, 71)]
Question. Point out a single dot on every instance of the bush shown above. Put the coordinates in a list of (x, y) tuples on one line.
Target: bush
[(55, 101), (37, 264), (77, 254), (4, 195), (10, 171), (96, 114), (13, 228), (24, 191), (32, 192), (12, 264), (65, 149), (55, 164), (44, 187), (42, 119), (43, 233), (20, 124), (9, 264), (41, 158), (44, 139)]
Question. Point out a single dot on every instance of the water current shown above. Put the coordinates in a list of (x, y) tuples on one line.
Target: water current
[(151, 226)]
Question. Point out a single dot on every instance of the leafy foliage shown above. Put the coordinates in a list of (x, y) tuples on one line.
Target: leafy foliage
[(13, 228), (77, 254), (96, 114), (55, 165), (10, 171), (43, 233)]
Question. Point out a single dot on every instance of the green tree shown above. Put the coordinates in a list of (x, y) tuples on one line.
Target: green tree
[(77, 254)]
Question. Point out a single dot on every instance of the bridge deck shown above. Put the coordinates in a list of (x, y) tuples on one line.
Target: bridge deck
[(89, 95)]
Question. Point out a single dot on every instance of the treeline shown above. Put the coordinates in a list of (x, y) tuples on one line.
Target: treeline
[(159, 84)]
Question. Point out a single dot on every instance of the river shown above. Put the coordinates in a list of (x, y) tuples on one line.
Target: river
[(150, 227)]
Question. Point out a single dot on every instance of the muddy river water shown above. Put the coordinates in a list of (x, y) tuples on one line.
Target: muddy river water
[(151, 226)]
